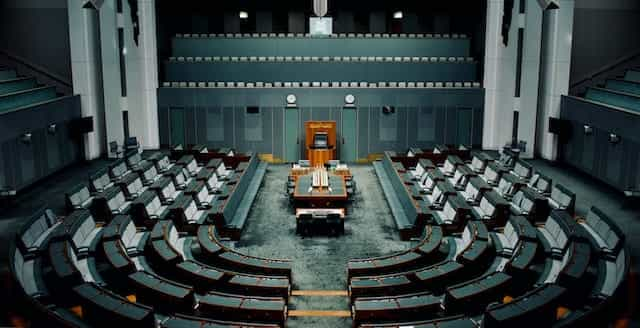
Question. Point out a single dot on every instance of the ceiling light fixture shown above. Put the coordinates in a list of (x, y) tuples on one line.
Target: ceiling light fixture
[(398, 15), (244, 15)]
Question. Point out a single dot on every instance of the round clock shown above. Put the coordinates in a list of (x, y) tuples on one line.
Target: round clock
[(291, 99), (349, 99)]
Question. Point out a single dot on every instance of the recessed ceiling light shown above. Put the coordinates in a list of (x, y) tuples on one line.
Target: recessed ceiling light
[(398, 15), (244, 15)]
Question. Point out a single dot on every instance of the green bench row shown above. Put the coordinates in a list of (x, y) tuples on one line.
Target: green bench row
[(194, 47), (319, 71)]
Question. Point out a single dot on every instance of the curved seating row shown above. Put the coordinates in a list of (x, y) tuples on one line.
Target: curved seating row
[(539, 259), (427, 250)]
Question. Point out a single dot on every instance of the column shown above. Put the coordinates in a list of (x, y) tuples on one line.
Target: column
[(84, 45), (558, 35), (499, 78), (113, 102), (142, 75), (529, 80)]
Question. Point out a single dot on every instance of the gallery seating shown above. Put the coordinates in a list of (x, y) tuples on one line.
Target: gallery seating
[(522, 170), (492, 209), (541, 183), (213, 249), (393, 309), (185, 321), (132, 186), (32, 237), (188, 162), (118, 170), (454, 214), (164, 294), (78, 198), (148, 208), (100, 181), (459, 321), (161, 161), (426, 251), (148, 173), (239, 308), (536, 308), (528, 202), (103, 308), (179, 175), (185, 213), (451, 164), (200, 193), (166, 190), (480, 161), (109, 203), (509, 185), (474, 295), (562, 198), (474, 190)]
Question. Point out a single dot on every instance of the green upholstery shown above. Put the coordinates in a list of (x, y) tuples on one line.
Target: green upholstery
[(7, 74), (632, 75), (15, 85), (26, 97), (319, 71), (320, 47), (623, 86), (614, 98)]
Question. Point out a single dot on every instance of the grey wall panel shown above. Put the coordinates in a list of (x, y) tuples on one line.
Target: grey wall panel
[(323, 104), (25, 163), (364, 129), (615, 164), (278, 131)]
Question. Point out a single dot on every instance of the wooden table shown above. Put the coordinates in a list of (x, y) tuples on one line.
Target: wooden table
[(320, 196)]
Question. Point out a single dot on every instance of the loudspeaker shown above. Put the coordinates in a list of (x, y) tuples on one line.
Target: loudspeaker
[(81, 125)]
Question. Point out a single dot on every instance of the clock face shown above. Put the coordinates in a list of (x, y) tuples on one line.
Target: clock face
[(291, 99), (349, 99)]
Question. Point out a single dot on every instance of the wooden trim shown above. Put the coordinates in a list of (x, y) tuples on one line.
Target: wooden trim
[(320, 293), (318, 313)]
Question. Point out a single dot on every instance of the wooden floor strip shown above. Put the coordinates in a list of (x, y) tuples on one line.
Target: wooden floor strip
[(319, 293), (318, 313)]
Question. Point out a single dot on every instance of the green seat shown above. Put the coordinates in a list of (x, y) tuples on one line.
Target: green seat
[(15, 85), (632, 75), (26, 97), (7, 74), (623, 86), (614, 98)]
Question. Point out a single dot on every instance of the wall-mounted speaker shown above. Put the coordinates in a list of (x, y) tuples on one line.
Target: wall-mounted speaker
[(81, 125)]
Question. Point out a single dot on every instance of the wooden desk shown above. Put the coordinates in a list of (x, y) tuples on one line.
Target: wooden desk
[(318, 157), (320, 197)]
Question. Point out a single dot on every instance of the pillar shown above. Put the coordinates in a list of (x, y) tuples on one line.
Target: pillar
[(556, 61), (85, 58)]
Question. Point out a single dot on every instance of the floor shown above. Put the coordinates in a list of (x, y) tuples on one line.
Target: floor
[(319, 262)]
